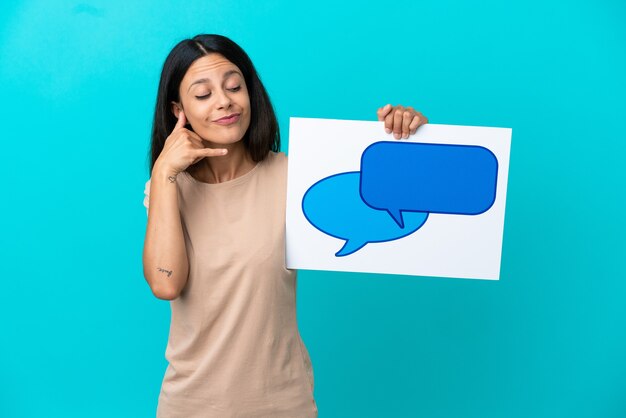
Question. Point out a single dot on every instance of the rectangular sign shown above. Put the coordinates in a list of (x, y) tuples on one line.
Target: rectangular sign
[(431, 205)]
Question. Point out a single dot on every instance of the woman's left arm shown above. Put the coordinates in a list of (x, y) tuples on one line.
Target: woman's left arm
[(402, 121)]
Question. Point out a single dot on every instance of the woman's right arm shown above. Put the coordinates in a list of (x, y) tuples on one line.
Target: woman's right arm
[(165, 264)]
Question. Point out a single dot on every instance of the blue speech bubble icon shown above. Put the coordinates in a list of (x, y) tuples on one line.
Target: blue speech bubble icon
[(334, 206), (438, 178)]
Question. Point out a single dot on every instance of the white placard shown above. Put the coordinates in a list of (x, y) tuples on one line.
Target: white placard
[(445, 245)]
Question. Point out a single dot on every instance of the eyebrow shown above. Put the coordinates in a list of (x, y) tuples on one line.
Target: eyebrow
[(204, 80)]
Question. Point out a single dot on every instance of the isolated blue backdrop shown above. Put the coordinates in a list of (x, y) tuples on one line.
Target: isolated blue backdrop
[(82, 335)]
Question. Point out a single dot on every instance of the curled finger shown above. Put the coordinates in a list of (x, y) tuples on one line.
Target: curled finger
[(397, 122), (406, 121), (383, 111), (415, 123)]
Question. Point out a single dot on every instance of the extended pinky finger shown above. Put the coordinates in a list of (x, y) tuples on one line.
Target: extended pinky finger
[(213, 152)]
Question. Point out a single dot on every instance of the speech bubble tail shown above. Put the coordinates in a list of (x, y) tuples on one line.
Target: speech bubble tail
[(396, 214), (350, 247)]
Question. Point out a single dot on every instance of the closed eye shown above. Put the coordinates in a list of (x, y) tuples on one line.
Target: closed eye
[(234, 89)]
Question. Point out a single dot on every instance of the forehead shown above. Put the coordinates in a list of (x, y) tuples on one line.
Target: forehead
[(210, 66)]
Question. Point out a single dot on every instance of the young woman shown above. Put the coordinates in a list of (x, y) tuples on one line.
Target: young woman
[(215, 240)]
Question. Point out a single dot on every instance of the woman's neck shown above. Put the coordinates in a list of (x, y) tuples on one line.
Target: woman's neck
[(235, 163)]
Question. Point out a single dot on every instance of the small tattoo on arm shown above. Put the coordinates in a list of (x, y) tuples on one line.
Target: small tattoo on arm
[(169, 272), (172, 179)]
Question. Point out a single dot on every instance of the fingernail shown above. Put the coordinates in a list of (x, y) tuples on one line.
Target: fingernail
[(397, 136), (388, 130)]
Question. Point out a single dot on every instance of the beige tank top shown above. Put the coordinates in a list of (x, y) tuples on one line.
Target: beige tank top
[(234, 349)]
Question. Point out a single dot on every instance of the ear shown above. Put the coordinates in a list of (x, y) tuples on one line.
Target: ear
[(176, 108)]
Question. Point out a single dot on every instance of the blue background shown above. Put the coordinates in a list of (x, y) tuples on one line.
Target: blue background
[(82, 335)]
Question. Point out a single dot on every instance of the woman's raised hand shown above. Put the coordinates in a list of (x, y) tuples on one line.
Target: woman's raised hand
[(402, 121), (183, 148)]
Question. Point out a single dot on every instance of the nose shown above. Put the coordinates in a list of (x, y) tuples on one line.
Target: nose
[(223, 100)]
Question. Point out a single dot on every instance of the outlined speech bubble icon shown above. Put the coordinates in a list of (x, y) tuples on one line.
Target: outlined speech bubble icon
[(334, 206), (419, 177)]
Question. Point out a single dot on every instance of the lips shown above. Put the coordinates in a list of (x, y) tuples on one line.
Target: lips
[(225, 118)]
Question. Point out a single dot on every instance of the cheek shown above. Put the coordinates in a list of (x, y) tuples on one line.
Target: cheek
[(245, 101), (249, 109), (198, 111)]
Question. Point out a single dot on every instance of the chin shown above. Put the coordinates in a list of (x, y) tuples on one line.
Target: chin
[(224, 139)]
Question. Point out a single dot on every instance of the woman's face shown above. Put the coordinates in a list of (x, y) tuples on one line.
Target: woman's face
[(212, 88)]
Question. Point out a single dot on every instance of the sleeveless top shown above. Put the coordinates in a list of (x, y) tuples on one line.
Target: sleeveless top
[(234, 349)]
